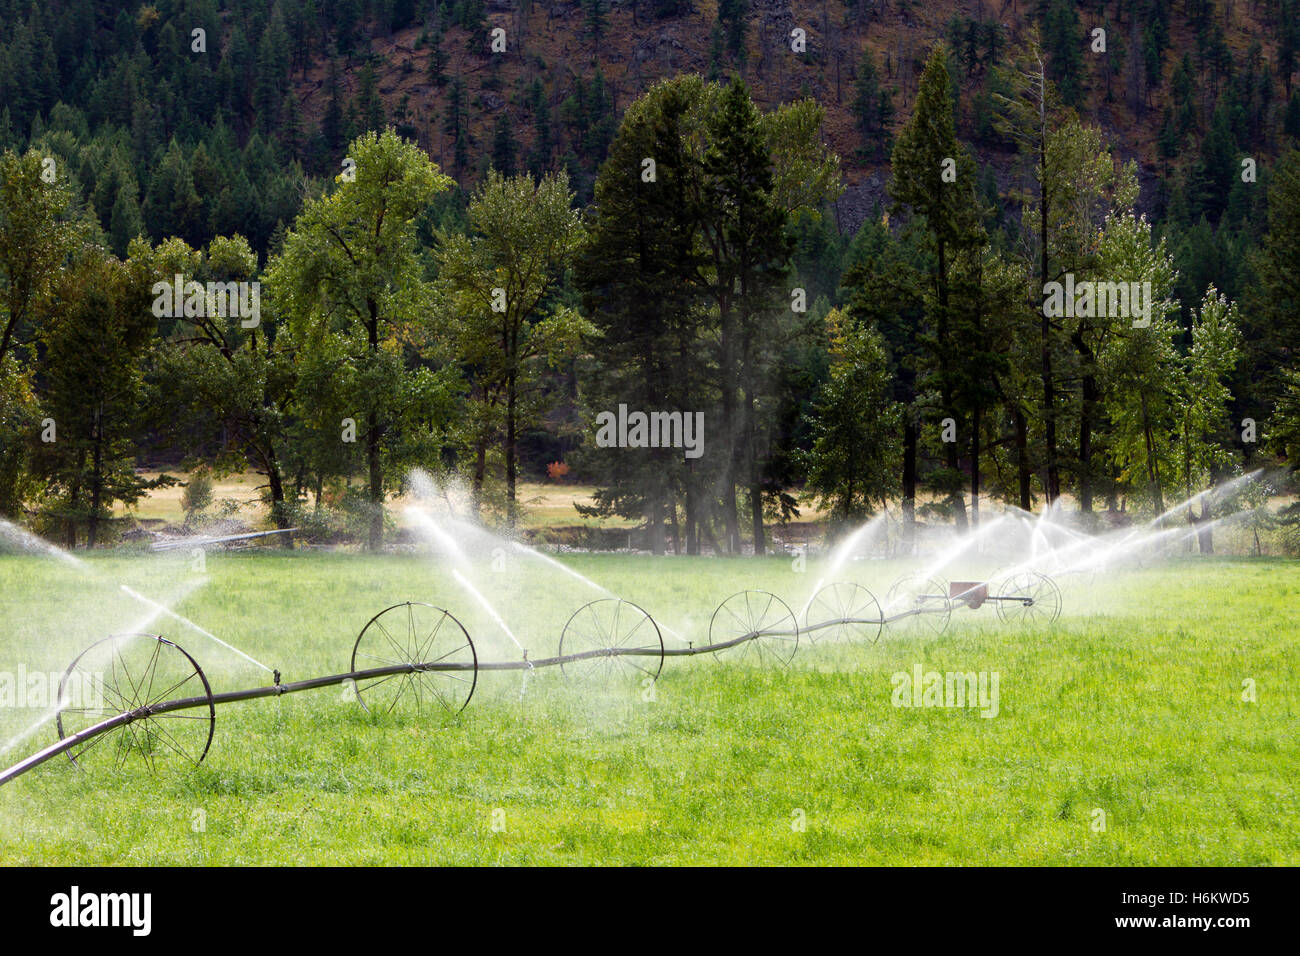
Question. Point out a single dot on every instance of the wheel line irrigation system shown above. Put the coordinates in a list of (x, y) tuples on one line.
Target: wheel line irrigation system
[(424, 665)]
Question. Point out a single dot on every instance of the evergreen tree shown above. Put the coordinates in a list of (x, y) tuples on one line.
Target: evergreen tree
[(851, 466), (595, 22), (750, 250), (540, 158), (438, 60), (934, 177), (1272, 320), (172, 205), (369, 107), (333, 124), (884, 289), (292, 135), (473, 18), (872, 107), (455, 123), (1025, 117), (1064, 46), (732, 15), (633, 270), (94, 338), (1140, 367), (1204, 446), (503, 146), (125, 221)]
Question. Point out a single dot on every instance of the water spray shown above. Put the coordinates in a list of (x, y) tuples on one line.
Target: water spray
[(168, 612)]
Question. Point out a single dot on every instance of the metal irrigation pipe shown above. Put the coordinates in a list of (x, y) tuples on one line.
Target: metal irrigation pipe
[(313, 683)]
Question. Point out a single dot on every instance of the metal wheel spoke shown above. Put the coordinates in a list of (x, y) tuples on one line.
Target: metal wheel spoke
[(426, 631), (139, 665)]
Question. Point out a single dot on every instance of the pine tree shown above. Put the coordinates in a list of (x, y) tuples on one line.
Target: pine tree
[(851, 466), (94, 337), (291, 131), (1273, 316), (1025, 117), (455, 123), (503, 146), (634, 272), (1140, 367), (540, 157), (872, 107), (934, 176), (883, 284), (438, 60), (595, 22), (125, 221), (1064, 46), (474, 19), (746, 234), (369, 107), (732, 15), (172, 205), (333, 128), (1204, 441)]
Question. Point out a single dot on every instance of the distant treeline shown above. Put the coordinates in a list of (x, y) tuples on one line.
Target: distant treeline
[(694, 267)]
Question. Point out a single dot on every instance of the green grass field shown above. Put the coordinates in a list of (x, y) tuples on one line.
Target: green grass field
[(1131, 704)]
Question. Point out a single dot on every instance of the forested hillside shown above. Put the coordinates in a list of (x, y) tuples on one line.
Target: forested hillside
[(843, 258)]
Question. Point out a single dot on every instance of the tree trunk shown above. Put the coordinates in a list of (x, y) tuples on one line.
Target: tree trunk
[(74, 498), (372, 446), (975, 468), (958, 498), (655, 518), (480, 472), (7, 337), (1022, 456), (376, 483), (692, 517), (511, 399), (1091, 394), (1085, 443), (1153, 466), (1052, 486), (945, 386), (96, 480), (730, 518), (277, 503), (751, 456), (706, 529), (909, 483), (672, 521)]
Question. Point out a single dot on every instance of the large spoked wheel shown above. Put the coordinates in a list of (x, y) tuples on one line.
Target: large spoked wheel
[(611, 639), (918, 604), (843, 611), (442, 662), (755, 626), (135, 673), (1029, 597)]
